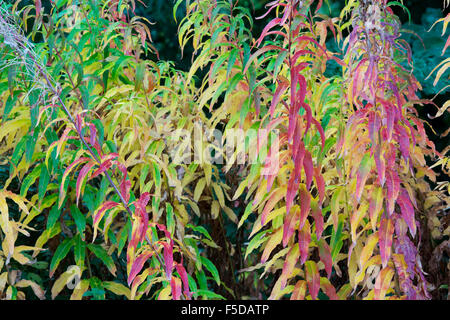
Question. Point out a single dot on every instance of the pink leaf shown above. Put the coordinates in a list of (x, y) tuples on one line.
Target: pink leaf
[(312, 278), (289, 265), (320, 183), (308, 167), (276, 196), (266, 29), (137, 265), (83, 172), (393, 189), (105, 206), (282, 86), (184, 278), (305, 205), (175, 285), (289, 224), (362, 174), (38, 7), (381, 167), (325, 256), (321, 132), (386, 232), (407, 210), (168, 259), (304, 239), (318, 219)]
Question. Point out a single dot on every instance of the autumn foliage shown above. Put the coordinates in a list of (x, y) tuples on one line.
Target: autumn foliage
[(120, 183)]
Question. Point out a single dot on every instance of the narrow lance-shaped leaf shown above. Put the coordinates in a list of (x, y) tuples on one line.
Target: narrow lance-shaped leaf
[(304, 239), (362, 174), (312, 278), (60, 253), (386, 232), (289, 264)]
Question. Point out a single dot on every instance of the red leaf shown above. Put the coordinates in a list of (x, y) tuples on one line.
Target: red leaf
[(103, 167), (99, 213), (328, 288), (374, 126), (299, 290), (381, 167), (62, 192), (125, 187)]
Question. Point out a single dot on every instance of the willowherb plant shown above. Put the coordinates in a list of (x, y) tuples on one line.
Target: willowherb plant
[(336, 206)]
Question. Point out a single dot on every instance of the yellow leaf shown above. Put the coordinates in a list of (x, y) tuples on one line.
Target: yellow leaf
[(367, 251), (72, 274), (230, 214), (383, 283), (199, 189), (117, 288), (215, 208), (273, 241), (165, 293), (38, 291), (219, 193), (80, 289)]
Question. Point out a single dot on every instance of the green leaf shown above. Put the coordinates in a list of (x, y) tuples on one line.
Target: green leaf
[(79, 218), (247, 212), (201, 279), (256, 241), (200, 229), (60, 253), (10, 102), (140, 72), (103, 255), (336, 239), (211, 268), (53, 216), (209, 294), (44, 179), (29, 180), (169, 218), (80, 251), (156, 174)]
